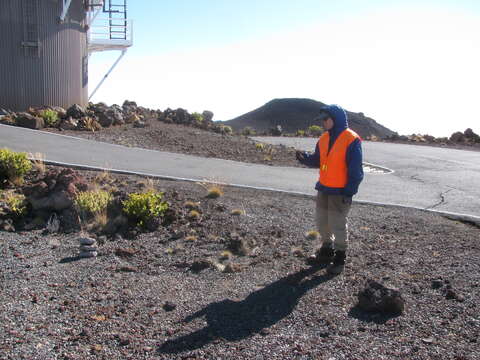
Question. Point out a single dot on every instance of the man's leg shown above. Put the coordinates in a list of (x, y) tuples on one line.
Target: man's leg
[(338, 209), (321, 217), (324, 255)]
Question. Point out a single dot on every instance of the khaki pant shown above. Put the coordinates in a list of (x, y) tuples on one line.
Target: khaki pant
[(331, 218)]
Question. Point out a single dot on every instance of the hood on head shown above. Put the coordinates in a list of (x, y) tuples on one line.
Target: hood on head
[(339, 117)]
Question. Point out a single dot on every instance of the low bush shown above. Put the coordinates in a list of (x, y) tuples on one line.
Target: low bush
[(300, 133), (143, 207), (214, 192), (315, 130), (13, 166), (248, 131), (227, 130), (197, 118), (50, 117), (16, 203), (260, 146), (92, 202)]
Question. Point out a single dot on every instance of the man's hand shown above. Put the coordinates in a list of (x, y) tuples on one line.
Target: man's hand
[(299, 155)]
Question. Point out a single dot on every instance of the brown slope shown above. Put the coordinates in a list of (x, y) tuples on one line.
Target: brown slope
[(298, 114)]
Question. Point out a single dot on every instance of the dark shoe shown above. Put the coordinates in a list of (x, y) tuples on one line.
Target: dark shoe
[(338, 263), (323, 256)]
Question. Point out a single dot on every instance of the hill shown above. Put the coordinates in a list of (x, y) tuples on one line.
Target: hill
[(298, 114)]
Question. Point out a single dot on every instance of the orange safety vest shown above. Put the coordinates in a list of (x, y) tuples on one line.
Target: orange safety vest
[(333, 164)]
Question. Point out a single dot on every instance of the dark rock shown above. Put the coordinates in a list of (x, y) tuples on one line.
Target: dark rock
[(31, 122), (207, 115), (437, 283), (69, 124), (139, 124), (181, 116), (7, 225), (469, 134), (457, 137), (199, 265), (125, 252), (238, 245), (378, 298), (169, 306), (76, 111), (127, 268)]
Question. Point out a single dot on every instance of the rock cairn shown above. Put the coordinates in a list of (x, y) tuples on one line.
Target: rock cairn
[(88, 248)]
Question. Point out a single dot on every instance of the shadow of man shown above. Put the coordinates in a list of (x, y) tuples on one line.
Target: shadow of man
[(236, 320)]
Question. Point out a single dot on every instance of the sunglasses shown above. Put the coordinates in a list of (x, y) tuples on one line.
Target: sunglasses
[(323, 117)]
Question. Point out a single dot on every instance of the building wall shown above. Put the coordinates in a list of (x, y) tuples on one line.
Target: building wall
[(42, 62)]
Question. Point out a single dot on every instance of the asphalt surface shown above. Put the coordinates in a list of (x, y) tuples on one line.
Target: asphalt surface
[(425, 177)]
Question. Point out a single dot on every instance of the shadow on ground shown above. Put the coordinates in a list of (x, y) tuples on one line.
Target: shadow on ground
[(236, 320)]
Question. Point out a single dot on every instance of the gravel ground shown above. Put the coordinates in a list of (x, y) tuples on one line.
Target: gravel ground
[(54, 306), (188, 140)]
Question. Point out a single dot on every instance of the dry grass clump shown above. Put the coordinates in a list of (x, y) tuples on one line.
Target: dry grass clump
[(192, 205), (214, 192), (38, 162), (237, 212), (312, 235), (194, 215), (225, 255), (191, 238)]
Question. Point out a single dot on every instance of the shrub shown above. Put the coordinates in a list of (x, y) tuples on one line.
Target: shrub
[(50, 117), (312, 235), (92, 202), (194, 215), (13, 166), (315, 130), (227, 129), (248, 131), (142, 207), (260, 146), (197, 118), (16, 203), (300, 133), (237, 212), (214, 192)]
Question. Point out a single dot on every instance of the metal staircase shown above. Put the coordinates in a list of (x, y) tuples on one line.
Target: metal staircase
[(113, 32)]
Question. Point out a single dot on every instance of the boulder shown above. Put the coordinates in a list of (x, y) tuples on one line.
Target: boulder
[(378, 298), (139, 124), (76, 111), (207, 115), (62, 113), (181, 116), (457, 137), (29, 121), (470, 135), (69, 124)]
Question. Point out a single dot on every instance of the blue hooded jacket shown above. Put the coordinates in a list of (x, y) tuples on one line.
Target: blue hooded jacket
[(353, 158)]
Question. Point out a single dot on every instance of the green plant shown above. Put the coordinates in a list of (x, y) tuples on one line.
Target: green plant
[(312, 235), (13, 166), (260, 146), (142, 207), (315, 130), (15, 202), (227, 129), (248, 131), (50, 117), (197, 118), (300, 133), (92, 202), (214, 192)]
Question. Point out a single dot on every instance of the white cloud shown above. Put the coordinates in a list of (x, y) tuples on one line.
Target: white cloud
[(413, 71)]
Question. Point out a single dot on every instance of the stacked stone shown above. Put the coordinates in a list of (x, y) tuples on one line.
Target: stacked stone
[(88, 248)]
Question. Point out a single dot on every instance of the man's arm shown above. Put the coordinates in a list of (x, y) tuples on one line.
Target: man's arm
[(309, 159), (355, 168)]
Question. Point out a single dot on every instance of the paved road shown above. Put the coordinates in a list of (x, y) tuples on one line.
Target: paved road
[(422, 175), (428, 177)]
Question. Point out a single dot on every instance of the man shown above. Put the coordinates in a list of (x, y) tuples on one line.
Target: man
[(338, 155)]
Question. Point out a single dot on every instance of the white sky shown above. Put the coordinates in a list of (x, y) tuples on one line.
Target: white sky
[(414, 72)]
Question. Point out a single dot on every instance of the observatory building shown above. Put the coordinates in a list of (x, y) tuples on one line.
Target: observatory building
[(45, 46)]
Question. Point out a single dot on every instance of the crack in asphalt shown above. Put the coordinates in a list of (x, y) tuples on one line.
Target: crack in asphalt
[(442, 199)]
